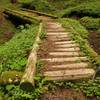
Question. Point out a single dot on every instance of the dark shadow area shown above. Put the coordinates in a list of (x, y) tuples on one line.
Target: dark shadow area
[(94, 40), (16, 20), (28, 6), (81, 14)]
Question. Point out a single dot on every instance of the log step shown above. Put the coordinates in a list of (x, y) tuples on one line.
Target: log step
[(60, 39), (54, 28), (65, 54), (72, 66), (68, 45), (69, 74), (69, 59), (68, 49), (58, 30), (59, 36), (57, 33), (65, 42)]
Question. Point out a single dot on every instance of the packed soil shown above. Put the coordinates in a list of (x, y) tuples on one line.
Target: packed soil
[(45, 47), (94, 40), (65, 94)]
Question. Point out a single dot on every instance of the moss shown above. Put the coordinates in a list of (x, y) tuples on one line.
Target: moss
[(22, 15), (9, 75)]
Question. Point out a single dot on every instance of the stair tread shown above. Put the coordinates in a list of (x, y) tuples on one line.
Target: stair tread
[(72, 65), (67, 59)]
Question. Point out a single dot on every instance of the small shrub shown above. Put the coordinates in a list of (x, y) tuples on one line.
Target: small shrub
[(69, 23), (87, 8), (42, 5), (90, 23), (14, 53)]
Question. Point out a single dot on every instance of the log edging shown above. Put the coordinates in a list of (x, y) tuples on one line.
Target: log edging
[(27, 81)]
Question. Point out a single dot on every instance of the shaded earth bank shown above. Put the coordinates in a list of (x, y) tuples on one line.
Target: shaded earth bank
[(94, 40), (7, 29)]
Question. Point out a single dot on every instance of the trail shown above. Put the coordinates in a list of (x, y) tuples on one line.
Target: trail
[(62, 57)]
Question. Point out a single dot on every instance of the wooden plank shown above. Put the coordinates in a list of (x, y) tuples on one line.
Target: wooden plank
[(27, 81), (69, 74)]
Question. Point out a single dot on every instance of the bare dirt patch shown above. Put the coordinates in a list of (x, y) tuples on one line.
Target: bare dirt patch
[(94, 40)]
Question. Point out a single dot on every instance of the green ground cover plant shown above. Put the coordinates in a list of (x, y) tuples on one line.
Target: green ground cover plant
[(63, 8), (90, 23), (89, 8), (14, 53), (69, 23)]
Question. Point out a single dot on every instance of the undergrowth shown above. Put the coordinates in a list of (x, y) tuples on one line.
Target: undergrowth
[(89, 8), (14, 53), (90, 23)]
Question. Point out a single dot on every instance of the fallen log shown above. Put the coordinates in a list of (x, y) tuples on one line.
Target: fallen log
[(10, 77), (27, 81), (40, 13), (23, 16)]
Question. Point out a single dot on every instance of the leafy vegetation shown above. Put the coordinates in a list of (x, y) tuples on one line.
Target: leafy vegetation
[(89, 88), (13, 54), (71, 23), (64, 8), (90, 23), (88, 7)]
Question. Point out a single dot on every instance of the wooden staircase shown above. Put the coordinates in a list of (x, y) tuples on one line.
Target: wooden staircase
[(65, 61)]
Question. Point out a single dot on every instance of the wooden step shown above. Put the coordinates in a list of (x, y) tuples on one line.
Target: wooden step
[(54, 28), (57, 39), (57, 33), (68, 45), (64, 42), (65, 54), (60, 39), (59, 36), (69, 74), (71, 49), (68, 59), (72, 65)]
